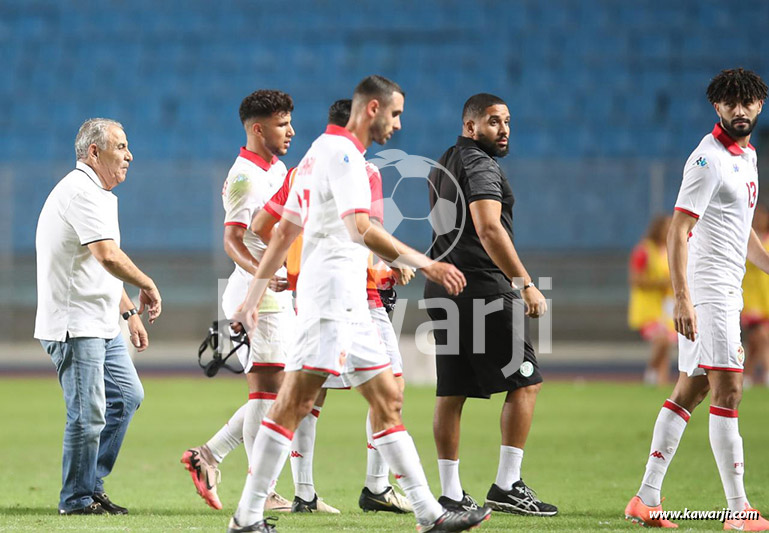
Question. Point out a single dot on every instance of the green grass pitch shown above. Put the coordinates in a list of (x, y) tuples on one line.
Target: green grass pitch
[(586, 454)]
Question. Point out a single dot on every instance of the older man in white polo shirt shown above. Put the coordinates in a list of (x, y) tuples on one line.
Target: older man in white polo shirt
[(80, 275)]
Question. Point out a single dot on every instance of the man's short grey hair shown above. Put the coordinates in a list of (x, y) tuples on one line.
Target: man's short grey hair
[(93, 131)]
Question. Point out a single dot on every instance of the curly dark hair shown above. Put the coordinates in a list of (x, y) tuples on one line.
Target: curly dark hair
[(736, 85), (339, 112), (264, 103)]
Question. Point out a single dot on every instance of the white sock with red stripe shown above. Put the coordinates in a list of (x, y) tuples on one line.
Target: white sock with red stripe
[(377, 471), (448, 470), (258, 406), (670, 426), (269, 453), (229, 437), (302, 449), (509, 470), (397, 447), (726, 443)]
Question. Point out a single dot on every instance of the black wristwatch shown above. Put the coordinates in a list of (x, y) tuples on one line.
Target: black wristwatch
[(128, 314)]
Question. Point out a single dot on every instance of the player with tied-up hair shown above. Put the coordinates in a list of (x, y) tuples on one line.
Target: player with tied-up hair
[(709, 240), (331, 200)]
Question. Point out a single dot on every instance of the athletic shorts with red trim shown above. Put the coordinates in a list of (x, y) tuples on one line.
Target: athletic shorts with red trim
[(390, 341), (274, 335), (351, 350), (718, 345)]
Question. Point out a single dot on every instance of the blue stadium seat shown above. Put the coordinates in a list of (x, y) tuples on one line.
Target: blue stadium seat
[(585, 81)]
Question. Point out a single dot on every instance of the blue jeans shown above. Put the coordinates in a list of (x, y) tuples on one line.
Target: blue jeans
[(101, 392)]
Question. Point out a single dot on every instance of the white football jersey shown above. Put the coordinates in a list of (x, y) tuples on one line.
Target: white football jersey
[(250, 184), (720, 189), (331, 182)]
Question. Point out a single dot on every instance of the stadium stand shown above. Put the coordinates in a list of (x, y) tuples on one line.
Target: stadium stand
[(603, 95), (595, 79)]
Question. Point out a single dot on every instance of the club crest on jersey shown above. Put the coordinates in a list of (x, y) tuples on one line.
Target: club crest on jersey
[(527, 369), (701, 162), (239, 187), (740, 354)]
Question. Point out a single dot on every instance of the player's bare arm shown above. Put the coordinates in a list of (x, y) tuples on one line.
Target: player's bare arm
[(137, 331), (757, 254), (401, 275), (262, 224), (116, 262), (496, 242), (273, 258), (391, 249), (238, 252), (236, 249), (684, 317)]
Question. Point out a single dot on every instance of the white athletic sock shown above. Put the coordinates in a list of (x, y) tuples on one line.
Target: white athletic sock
[(448, 471), (397, 447), (726, 443), (509, 470), (229, 437), (258, 405), (269, 454), (377, 471), (302, 448), (670, 426)]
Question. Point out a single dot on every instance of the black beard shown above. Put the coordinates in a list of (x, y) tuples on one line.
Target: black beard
[(736, 133), (378, 132), (491, 147)]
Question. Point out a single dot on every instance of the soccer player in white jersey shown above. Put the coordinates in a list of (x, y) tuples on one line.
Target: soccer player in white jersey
[(709, 239), (331, 199), (377, 494), (254, 177)]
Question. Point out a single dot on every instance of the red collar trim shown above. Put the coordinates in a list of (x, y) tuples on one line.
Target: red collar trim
[(332, 129), (257, 159), (729, 143)]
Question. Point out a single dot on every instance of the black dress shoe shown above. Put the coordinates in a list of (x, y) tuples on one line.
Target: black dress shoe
[(107, 505), (93, 508)]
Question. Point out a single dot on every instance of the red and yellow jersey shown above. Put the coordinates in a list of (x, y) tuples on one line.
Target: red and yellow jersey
[(378, 276), (275, 208), (375, 274), (755, 291), (647, 305)]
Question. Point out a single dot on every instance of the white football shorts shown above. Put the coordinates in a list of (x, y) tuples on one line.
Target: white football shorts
[(350, 351), (718, 345), (271, 343), (390, 341)]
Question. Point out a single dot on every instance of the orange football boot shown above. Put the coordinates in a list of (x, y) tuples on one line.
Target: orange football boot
[(757, 524), (640, 513)]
